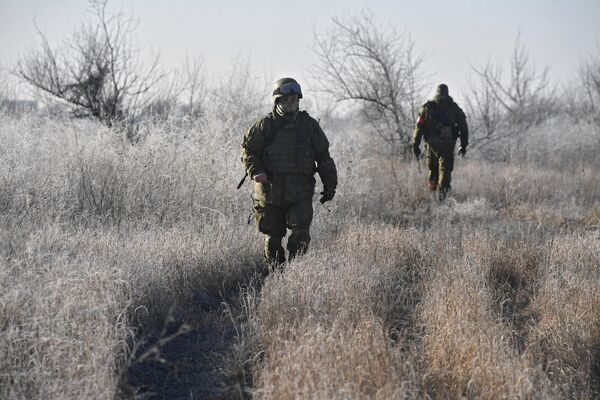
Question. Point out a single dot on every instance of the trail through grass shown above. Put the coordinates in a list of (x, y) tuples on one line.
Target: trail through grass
[(130, 271)]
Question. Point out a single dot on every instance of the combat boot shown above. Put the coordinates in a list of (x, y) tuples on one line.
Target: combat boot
[(298, 243), (274, 253), (432, 185), (443, 193)]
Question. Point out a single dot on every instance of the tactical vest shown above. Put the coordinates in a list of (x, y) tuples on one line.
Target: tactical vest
[(442, 127), (289, 150)]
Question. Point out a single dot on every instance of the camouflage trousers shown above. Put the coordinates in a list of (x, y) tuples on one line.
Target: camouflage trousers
[(440, 161), (274, 221)]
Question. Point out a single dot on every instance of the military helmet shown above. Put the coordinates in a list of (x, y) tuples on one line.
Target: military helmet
[(286, 86), (442, 90)]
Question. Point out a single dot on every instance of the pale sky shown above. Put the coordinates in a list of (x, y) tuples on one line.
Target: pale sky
[(278, 34)]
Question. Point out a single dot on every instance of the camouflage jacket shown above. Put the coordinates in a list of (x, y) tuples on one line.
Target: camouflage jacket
[(440, 122), (285, 148)]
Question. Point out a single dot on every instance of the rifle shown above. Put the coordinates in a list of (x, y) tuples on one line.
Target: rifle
[(242, 181)]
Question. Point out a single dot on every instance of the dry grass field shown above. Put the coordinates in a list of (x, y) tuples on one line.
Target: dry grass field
[(130, 271)]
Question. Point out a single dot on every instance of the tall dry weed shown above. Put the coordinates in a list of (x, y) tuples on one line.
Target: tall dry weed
[(121, 264), (566, 339), (469, 350)]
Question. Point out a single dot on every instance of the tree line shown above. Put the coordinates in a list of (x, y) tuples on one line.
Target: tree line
[(361, 62)]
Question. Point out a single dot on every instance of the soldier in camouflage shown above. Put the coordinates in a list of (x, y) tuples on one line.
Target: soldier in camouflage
[(281, 152), (441, 122)]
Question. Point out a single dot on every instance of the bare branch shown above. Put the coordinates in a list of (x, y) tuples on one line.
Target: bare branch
[(503, 107), (587, 101), (97, 71), (367, 63)]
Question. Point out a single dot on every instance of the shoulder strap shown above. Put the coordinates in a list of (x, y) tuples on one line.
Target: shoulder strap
[(274, 126)]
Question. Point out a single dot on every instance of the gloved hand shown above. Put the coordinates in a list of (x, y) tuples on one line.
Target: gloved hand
[(326, 195), (416, 150), (262, 178), (462, 151)]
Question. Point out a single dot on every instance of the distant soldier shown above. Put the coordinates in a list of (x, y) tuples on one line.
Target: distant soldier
[(441, 122), (281, 152)]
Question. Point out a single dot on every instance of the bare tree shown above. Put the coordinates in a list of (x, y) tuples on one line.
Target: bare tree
[(195, 87), (485, 113), (589, 76), (97, 72), (180, 94), (364, 62), (502, 107)]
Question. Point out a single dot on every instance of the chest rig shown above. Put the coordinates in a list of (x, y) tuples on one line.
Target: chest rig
[(287, 147)]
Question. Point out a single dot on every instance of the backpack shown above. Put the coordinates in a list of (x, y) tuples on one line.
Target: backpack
[(442, 127)]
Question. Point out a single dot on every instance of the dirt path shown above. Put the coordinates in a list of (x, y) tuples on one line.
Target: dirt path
[(193, 356)]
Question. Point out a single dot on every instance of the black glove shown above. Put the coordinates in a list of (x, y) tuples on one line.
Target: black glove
[(326, 195), (462, 151), (416, 150)]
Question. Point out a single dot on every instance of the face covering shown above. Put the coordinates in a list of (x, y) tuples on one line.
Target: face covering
[(286, 108)]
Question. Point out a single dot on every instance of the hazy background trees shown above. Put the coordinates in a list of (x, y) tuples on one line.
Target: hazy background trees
[(366, 74)]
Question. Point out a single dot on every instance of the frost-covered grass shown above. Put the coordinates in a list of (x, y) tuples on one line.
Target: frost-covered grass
[(493, 294)]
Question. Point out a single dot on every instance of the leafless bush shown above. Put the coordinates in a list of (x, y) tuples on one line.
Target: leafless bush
[(195, 89), (180, 96), (368, 64), (238, 91), (501, 107), (583, 98), (97, 71), (235, 99)]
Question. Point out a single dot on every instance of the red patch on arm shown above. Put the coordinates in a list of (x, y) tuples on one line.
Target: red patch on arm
[(420, 120)]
